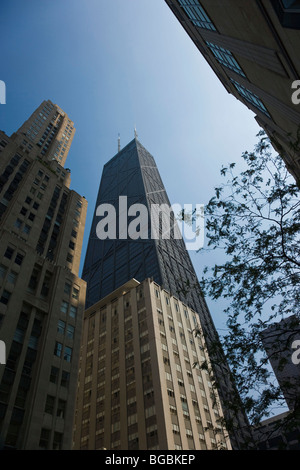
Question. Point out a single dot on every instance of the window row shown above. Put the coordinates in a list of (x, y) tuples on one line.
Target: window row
[(250, 97), (68, 309), (9, 253), (54, 377), (64, 352), (65, 329), (197, 14)]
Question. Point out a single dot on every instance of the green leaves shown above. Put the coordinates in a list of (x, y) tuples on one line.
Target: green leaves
[(254, 218)]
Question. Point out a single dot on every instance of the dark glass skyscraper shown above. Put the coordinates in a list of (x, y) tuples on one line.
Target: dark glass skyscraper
[(111, 263)]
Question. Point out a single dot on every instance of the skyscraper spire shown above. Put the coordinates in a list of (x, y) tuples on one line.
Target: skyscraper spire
[(135, 132), (119, 143)]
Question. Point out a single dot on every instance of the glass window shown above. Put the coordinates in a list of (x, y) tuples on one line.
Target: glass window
[(77, 213), (197, 14), (26, 228), (61, 327), (225, 58), (61, 408), (70, 331), (5, 297), (68, 354), (175, 429), (54, 375), (73, 311), (291, 4), (44, 439), (75, 293), (74, 233), (19, 259), (67, 289), (9, 252), (250, 97), (64, 306), (288, 12), (58, 349), (69, 258), (33, 282), (3, 270), (12, 277), (65, 378), (18, 223), (49, 407)]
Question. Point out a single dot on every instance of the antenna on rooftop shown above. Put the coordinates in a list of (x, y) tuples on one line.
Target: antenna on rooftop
[(135, 132), (119, 143)]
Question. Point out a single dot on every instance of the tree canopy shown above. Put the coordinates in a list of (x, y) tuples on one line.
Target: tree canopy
[(254, 218)]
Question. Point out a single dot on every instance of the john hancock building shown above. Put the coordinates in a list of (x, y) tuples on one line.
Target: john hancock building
[(41, 296), (141, 382)]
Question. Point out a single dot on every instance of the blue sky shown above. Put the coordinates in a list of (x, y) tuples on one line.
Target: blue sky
[(112, 65)]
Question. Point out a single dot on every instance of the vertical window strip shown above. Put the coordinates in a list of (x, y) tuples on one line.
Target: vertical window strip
[(197, 14)]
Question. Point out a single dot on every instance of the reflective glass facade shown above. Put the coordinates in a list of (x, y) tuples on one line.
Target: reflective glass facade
[(111, 263)]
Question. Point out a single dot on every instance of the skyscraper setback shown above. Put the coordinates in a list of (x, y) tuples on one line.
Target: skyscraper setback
[(41, 296), (111, 263)]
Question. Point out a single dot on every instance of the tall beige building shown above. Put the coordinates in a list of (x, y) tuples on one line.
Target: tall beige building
[(254, 49), (41, 296), (51, 130), (141, 384)]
